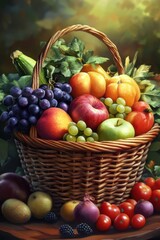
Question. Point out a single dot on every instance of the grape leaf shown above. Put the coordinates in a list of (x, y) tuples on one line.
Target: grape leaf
[(97, 60)]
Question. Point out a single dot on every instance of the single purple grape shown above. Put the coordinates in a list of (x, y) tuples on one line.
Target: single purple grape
[(27, 91), (22, 101), (58, 85), (58, 94), (44, 104), (15, 91), (16, 109), (39, 93), (66, 87), (32, 99), (33, 109), (32, 120), (66, 97), (4, 116), (53, 102), (63, 106), (12, 121), (8, 100), (43, 86), (49, 94)]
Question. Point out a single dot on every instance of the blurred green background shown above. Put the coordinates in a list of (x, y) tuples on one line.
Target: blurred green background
[(132, 25)]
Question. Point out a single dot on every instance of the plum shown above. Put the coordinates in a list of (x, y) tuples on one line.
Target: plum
[(13, 185)]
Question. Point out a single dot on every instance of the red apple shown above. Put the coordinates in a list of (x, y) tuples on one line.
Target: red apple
[(13, 186), (89, 109)]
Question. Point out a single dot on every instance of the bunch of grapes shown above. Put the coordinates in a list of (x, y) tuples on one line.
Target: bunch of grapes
[(79, 132), (25, 106), (118, 108)]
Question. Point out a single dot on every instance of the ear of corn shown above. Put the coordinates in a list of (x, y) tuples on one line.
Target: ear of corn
[(25, 65)]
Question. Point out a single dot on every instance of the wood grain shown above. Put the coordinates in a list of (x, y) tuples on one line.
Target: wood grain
[(38, 230)]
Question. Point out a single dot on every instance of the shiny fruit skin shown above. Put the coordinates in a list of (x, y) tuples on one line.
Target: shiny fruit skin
[(141, 117), (131, 200), (16, 211), (111, 210), (13, 186), (128, 208), (121, 222), (67, 210), (53, 124), (88, 83), (89, 109), (138, 221), (103, 223), (150, 181), (155, 199), (141, 191), (95, 68), (117, 86)]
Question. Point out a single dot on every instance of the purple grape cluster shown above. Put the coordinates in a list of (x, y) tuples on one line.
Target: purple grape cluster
[(25, 106)]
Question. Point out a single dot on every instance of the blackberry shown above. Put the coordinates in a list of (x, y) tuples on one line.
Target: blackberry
[(66, 231), (84, 229), (51, 217)]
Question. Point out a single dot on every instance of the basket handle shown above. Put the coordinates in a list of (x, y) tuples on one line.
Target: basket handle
[(78, 27)]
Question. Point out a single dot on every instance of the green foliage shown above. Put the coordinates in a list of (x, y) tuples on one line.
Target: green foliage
[(66, 59)]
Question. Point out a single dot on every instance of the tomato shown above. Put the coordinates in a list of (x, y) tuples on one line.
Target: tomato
[(141, 191), (111, 210), (128, 208), (141, 117), (150, 181), (103, 223), (138, 221), (132, 201), (157, 184), (155, 199), (121, 222)]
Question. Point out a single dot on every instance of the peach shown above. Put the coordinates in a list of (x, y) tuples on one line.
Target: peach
[(53, 124), (88, 83)]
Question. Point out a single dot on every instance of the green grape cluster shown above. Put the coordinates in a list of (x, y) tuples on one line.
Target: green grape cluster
[(79, 132), (117, 109)]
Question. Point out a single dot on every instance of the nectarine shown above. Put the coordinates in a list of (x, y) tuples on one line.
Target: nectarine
[(53, 124)]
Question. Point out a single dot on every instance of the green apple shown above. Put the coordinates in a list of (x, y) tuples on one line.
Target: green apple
[(40, 203), (114, 129), (67, 210)]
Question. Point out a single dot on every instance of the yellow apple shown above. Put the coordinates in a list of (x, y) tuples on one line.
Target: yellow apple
[(40, 203), (67, 210)]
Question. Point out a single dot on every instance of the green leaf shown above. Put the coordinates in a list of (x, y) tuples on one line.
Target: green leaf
[(23, 81), (97, 60), (87, 55), (3, 151), (157, 170)]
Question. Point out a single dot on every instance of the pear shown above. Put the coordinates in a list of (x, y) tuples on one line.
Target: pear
[(15, 211)]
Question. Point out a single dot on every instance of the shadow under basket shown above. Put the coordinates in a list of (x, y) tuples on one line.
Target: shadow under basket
[(67, 170), (105, 170)]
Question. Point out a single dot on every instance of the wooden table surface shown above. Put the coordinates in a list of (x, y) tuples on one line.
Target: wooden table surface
[(38, 230)]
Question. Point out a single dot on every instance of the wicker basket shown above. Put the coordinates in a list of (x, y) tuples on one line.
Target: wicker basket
[(67, 170)]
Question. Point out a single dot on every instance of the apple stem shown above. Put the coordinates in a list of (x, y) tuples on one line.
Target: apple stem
[(119, 122), (147, 110)]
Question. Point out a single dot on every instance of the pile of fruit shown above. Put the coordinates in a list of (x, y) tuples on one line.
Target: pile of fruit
[(77, 99), (78, 218)]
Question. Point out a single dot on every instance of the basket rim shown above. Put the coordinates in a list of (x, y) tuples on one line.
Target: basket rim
[(112, 146)]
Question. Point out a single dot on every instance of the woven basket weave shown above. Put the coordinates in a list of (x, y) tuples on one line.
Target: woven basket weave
[(67, 170)]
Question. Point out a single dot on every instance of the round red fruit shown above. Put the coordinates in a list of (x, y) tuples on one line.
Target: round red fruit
[(132, 201), (121, 222), (128, 208), (155, 199), (138, 221), (157, 184), (111, 210), (141, 191), (103, 223), (150, 181)]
